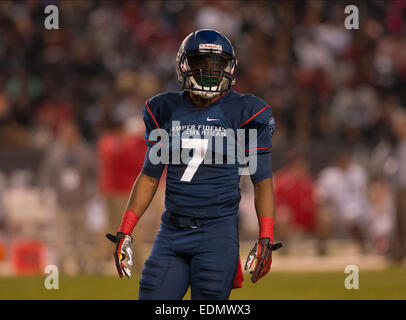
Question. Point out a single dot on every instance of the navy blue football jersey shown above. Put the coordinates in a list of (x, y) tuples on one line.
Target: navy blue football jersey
[(207, 184)]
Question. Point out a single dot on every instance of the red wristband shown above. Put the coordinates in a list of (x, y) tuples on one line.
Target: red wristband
[(266, 227), (128, 222)]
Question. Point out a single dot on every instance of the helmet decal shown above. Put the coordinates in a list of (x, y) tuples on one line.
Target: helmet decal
[(210, 46)]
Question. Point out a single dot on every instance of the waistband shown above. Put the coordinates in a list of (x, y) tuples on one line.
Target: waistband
[(185, 222)]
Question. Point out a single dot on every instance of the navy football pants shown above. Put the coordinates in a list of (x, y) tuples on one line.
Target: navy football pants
[(205, 257)]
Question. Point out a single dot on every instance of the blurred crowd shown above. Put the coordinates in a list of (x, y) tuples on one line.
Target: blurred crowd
[(108, 57), (77, 94)]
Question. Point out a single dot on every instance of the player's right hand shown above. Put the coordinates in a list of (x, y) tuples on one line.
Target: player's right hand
[(122, 252)]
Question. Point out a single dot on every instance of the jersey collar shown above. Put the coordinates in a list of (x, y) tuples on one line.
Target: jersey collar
[(186, 95)]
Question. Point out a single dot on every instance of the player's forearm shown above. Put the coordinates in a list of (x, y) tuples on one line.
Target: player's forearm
[(264, 198), (142, 193), (265, 207)]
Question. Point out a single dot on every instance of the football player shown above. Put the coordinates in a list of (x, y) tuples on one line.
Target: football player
[(197, 244)]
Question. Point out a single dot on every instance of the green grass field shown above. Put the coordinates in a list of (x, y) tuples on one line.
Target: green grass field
[(388, 284)]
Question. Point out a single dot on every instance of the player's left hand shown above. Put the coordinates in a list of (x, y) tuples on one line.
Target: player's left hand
[(122, 252), (260, 258)]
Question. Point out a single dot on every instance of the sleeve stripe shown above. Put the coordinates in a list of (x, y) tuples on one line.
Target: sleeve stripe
[(258, 148), (153, 118), (268, 106), (154, 142)]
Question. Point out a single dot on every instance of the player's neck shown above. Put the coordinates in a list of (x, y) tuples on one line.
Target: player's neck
[(201, 102)]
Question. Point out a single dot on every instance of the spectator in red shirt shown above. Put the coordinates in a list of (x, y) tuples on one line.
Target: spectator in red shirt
[(121, 157), (295, 200)]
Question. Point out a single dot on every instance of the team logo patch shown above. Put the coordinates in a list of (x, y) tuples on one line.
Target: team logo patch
[(272, 125), (210, 46)]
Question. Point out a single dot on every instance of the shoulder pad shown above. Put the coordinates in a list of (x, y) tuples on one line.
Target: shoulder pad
[(256, 111)]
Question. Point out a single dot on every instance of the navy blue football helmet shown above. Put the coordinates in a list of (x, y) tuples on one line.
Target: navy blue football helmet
[(206, 63)]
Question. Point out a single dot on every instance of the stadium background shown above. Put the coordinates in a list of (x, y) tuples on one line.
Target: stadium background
[(331, 90)]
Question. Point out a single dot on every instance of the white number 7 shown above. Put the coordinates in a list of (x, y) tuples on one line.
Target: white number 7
[(200, 146)]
